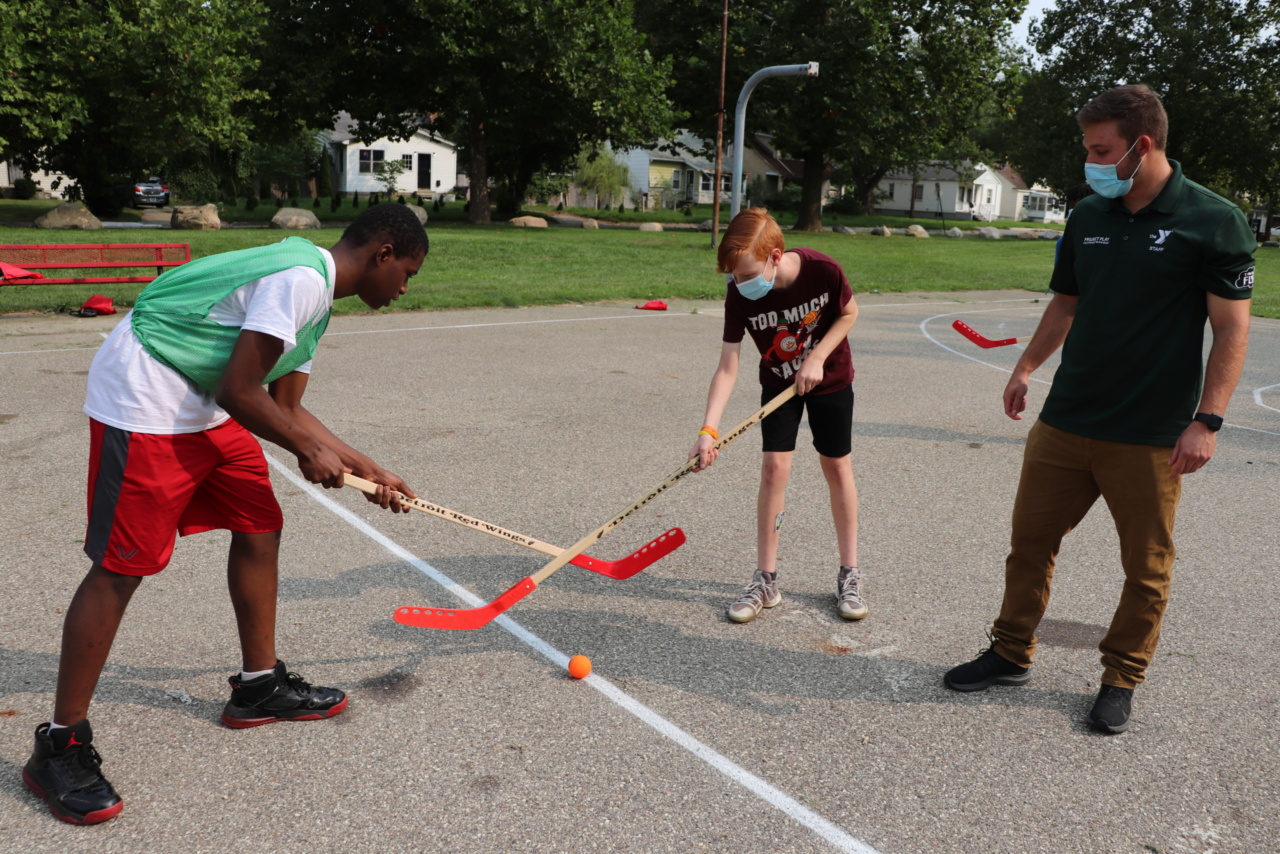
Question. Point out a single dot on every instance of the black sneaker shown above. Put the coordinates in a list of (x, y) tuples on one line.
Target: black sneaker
[(989, 668), (65, 771), (1110, 712), (279, 696)]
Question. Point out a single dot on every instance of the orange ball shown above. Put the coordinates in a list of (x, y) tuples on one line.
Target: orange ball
[(579, 666)]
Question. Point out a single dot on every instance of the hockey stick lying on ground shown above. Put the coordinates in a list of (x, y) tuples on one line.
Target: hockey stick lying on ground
[(474, 618), (619, 569), (982, 341)]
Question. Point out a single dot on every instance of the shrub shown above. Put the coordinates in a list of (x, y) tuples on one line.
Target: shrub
[(355, 200), (401, 200), (316, 203), (250, 203), (335, 203), (24, 188), (422, 203), (279, 201)]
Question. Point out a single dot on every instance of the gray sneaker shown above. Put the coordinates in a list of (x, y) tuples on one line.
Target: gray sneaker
[(849, 594), (760, 593)]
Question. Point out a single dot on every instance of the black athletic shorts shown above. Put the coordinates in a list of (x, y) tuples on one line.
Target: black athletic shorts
[(830, 419)]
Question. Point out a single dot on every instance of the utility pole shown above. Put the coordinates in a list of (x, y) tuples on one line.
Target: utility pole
[(724, 52)]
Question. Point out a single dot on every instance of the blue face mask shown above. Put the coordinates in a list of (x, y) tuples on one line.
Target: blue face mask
[(1105, 182), (755, 287)]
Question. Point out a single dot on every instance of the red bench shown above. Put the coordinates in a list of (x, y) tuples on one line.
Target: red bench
[(90, 256)]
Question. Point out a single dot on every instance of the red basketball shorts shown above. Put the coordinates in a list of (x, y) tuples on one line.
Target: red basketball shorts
[(145, 489)]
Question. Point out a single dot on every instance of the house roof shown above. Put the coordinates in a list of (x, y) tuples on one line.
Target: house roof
[(1013, 178), (936, 170), (344, 131), (762, 145)]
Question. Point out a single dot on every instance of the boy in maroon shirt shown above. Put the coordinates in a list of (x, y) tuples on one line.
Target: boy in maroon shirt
[(799, 309)]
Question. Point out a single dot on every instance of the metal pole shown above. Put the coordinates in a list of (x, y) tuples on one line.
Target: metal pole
[(739, 120)]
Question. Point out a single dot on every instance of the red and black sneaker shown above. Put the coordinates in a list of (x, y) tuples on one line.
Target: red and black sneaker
[(279, 696), (65, 770)]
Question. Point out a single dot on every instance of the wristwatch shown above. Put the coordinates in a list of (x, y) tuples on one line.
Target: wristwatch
[(1208, 419)]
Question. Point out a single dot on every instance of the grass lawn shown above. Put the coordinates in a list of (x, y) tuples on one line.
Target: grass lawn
[(499, 265)]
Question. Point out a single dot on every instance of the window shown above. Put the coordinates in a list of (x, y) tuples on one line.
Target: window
[(917, 192), (891, 190), (675, 180), (990, 195), (705, 184), (726, 182), (407, 160), (371, 160)]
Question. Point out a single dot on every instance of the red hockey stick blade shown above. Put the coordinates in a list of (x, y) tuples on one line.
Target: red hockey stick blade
[(464, 618), (978, 338), (635, 562)]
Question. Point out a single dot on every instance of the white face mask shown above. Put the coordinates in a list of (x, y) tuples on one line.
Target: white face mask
[(757, 286), (1104, 181)]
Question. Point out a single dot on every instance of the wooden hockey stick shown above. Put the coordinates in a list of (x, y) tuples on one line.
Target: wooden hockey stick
[(619, 569), (474, 618), (981, 340)]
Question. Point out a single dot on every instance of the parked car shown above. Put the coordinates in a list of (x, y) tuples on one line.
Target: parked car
[(152, 191)]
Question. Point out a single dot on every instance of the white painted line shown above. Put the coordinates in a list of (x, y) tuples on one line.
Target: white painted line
[(648, 315), (60, 350), (758, 787)]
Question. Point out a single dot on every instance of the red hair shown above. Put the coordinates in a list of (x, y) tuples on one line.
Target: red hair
[(752, 233)]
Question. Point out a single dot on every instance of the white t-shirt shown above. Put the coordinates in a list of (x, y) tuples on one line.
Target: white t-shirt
[(131, 390)]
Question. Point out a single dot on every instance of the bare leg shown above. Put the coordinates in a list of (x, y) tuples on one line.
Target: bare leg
[(775, 471), (844, 505), (87, 634), (253, 571)]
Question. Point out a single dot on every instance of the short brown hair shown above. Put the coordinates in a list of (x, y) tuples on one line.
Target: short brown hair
[(754, 233), (1135, 109)]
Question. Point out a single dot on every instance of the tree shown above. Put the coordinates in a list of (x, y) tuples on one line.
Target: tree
[(1211, 61), (901, 81), (522, 85), (598, 173), (105, 90)]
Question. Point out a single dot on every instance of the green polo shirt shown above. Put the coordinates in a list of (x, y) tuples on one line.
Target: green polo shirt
[(1132, 364)]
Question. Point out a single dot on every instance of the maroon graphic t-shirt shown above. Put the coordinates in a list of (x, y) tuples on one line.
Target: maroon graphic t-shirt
[(787, 323)]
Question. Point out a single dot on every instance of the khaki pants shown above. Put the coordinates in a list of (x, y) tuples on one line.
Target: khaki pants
[(1062, 476)]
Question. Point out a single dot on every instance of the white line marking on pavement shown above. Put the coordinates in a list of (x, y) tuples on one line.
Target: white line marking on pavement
[(761, 789), (646, 316)]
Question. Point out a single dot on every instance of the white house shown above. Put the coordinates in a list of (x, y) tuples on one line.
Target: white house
[(1036, 203), (431, 162), (965, 191), (49, 185)]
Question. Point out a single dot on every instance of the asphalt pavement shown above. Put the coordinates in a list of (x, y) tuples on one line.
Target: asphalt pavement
[(797, 732)]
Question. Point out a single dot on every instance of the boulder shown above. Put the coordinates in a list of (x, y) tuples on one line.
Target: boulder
[(420, 213), (954, 231), (706, 225), (590, 223), (844, 229), (916, 231), (69, 215), (882, 231), (1050, 234), (989, 233), (528, 222), (294, 218), (651, 226), (196, 218)]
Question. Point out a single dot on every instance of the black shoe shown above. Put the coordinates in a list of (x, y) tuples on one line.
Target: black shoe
[(65, 771), (989, 668), (279, 696), (1110, 712)]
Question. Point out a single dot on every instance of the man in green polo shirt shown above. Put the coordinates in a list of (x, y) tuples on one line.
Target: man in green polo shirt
[(1144, 262)]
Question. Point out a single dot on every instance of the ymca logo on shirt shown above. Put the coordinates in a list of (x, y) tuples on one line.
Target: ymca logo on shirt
[(1159, 237)]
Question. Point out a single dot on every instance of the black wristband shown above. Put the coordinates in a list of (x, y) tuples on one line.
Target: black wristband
[(1208, 419)]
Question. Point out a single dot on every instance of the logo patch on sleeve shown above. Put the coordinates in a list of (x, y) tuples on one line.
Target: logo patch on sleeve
[(1244, 281)]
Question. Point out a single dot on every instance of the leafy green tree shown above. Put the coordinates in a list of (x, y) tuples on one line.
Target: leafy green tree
[(596, 172), (522, 85), (901, 80), (105, 90), (1211, 61)]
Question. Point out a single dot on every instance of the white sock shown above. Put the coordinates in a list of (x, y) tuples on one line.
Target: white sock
[(245, 676), (53, 726)]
